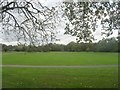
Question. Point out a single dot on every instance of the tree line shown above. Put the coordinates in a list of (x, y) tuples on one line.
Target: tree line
[(104, 45)]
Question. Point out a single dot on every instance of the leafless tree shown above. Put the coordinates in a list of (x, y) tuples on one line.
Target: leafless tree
[(27, 21)]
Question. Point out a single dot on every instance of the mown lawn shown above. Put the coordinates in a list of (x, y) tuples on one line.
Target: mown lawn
[(61, 58), (60, 77)]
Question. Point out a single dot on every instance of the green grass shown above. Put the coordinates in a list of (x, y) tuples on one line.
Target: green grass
[(60, 78), (60, 58)]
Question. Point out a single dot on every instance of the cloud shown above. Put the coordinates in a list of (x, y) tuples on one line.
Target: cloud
[(64, 39)]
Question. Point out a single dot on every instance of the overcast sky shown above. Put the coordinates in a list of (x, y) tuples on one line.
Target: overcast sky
[(64, 39)]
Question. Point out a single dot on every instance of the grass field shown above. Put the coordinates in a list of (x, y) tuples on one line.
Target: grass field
[(60, 58), (60, 77)]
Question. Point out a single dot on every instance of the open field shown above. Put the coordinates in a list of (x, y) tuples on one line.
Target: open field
[(65, 77), (85, 77), (61, 58)]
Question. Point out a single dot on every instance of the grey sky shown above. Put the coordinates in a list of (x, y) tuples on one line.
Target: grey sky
[(64, 39)]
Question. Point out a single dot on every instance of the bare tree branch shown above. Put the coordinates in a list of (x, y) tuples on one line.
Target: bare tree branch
[(29, 20)]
